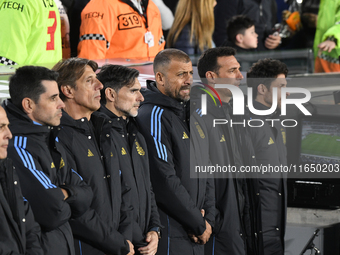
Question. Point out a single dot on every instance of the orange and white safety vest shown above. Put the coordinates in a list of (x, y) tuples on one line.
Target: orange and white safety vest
[(116, 29)]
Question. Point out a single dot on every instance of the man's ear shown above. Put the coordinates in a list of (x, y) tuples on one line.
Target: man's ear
[(239, 38), (261, 89), (160, 79), (67, 91), (110, 94), (27, 105), (211, 77)]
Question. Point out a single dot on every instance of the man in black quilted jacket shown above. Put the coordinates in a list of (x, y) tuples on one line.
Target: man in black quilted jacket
[(106, 228), (48, 180), (186, 205)]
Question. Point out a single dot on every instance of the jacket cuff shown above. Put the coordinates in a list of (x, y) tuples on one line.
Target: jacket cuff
[(158, 230), (332, 32), (70, 192)]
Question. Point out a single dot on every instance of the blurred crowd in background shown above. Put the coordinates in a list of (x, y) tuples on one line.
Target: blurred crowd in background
[(101, 29)]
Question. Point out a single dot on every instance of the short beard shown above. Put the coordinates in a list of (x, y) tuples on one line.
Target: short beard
[(177, 98), (126, 113)]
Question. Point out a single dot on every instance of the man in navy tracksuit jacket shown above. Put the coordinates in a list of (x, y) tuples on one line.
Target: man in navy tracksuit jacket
[(231, 147), (20, 234), (55, 192), (269, 143), (121, 98), (186, 205), (106, 227)]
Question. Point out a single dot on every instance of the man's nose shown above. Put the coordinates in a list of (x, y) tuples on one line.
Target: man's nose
[(189, 78), (60, 104), (100, 85), (239, 75), (140, 97)]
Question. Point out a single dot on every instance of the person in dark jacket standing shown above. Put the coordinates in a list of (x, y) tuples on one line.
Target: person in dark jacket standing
[(186, 205), (230, 146), (270, 189), (55, 192), (106, 228), (20, 234), (121, 99)]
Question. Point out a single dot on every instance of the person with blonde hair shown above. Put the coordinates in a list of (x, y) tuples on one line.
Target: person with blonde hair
[(193, 26)]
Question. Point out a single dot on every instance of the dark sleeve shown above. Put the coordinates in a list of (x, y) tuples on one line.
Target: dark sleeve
[(91, 229), (32, 232), (248, 221), (154, 217), (209, 202), (80, 194), (171, 195), (32, 228), (200, 156), (126, 213), (46, 199)]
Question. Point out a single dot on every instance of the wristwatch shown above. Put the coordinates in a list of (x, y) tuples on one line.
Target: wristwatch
[(158, 231)]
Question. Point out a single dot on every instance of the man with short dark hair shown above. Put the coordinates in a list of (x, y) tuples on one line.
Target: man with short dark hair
[(186, 205), (121, 99), (106, 228), (269, 145), (231, 147), (16, 216), (48, 181)]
